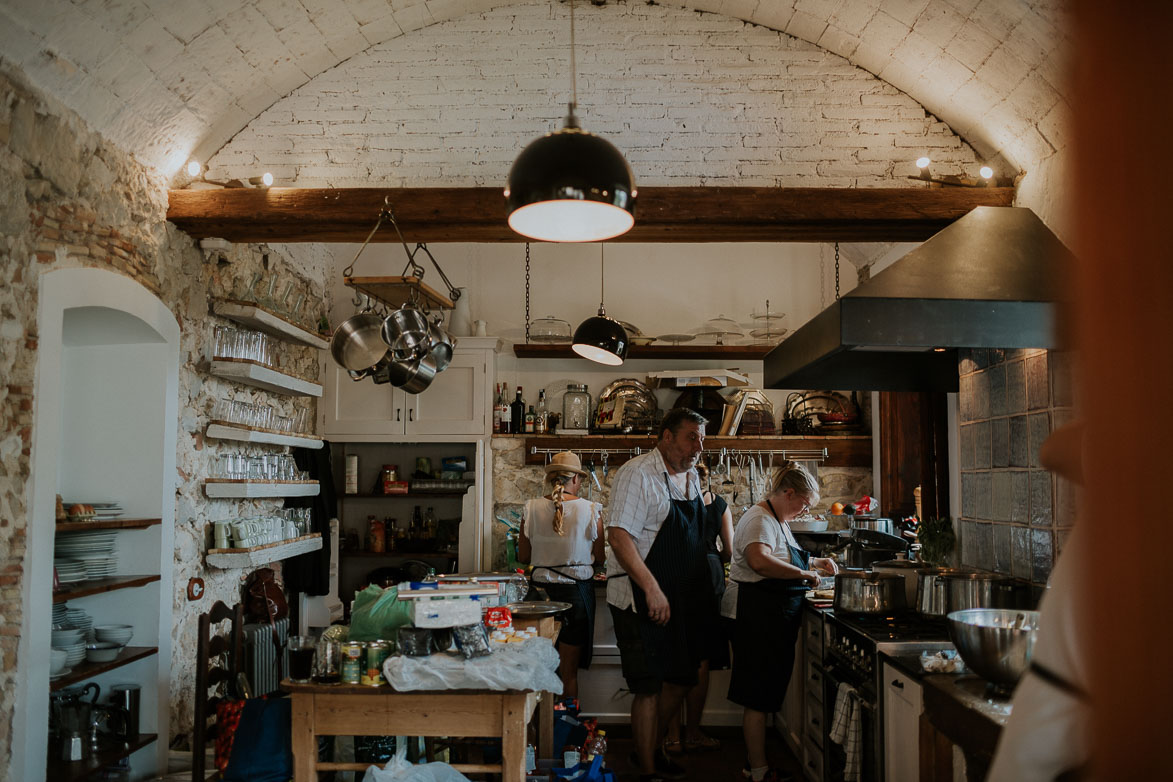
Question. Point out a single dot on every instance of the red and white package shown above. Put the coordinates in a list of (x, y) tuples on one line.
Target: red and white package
[(864, 504), (498, 617)]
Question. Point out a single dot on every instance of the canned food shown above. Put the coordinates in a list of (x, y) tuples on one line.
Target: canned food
[(376, 653), (352, 662)]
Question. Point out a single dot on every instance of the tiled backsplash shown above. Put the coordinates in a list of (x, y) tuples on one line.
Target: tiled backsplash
[(1015, 516)]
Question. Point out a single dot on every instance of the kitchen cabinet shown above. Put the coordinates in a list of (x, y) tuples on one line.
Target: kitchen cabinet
[(457, 403), (902, 706)]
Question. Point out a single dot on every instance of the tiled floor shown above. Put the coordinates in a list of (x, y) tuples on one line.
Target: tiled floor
[(722, 765)]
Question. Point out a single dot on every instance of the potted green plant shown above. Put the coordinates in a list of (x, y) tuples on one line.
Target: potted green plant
[(937, 539)]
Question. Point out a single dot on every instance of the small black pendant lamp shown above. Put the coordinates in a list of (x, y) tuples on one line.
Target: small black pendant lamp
[(571, 185), (600, 338)]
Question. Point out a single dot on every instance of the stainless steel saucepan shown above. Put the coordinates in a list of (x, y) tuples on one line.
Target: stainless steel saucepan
[(862, 592), (356, 344), (406, 331)]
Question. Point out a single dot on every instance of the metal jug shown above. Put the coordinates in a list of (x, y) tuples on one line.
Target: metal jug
[(73, 720)]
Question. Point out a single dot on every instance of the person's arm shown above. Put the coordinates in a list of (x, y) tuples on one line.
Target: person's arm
[(825, 565), (623, 546), (726, 535), (758, 556), (599, 547)]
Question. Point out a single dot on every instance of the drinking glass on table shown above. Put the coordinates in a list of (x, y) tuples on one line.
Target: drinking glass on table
[(301, 658)]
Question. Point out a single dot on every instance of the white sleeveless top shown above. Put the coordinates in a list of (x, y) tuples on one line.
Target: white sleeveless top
[(570, 550)]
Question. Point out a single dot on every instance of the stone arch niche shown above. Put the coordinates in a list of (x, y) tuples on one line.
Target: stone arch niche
[(104, 427)]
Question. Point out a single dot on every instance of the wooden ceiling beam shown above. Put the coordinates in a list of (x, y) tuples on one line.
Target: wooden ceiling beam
[(663, 214)]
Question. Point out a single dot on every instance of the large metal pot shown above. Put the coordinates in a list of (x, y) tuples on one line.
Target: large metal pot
[(980, 590), (356, 344), (876, 525), (859, 592), (406, 331), (906, 570), (413, 376), (932, 591)]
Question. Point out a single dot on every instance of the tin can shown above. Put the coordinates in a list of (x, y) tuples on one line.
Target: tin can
[(352, 473), (352, 662), (376, 653)]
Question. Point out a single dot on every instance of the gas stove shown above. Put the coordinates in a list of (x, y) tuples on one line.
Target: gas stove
[(853, 642)]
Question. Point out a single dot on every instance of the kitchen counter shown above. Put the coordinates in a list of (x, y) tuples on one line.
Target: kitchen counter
[(962, 708)]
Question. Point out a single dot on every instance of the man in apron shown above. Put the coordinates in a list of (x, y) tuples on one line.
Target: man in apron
[(658, 582)]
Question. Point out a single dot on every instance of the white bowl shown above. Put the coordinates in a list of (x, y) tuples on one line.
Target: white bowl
[(102, 652), (57, 658), (808, 526), (63, 638), (119, 634)]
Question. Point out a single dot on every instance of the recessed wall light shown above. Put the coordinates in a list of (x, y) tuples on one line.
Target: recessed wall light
[(986, 172), (194, 168)]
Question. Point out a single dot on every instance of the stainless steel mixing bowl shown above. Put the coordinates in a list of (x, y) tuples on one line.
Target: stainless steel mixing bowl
[(996, 643)]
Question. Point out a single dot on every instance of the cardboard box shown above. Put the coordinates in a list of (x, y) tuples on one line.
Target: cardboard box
[(686, 378)]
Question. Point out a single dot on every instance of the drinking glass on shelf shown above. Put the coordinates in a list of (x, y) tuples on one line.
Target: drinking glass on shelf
[(301, 421), (301, 658)]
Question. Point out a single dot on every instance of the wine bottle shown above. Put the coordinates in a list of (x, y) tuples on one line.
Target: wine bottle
[(517, 414), (542, 415), (503, 411)]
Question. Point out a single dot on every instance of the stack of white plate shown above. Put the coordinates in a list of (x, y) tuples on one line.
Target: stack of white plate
[(99, 565), (79, 618), (75, 653), (107, 510), (70, 571), (60, 613), (84, 546)]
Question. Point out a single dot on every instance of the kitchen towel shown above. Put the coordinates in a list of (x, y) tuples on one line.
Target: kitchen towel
[(845, 729)]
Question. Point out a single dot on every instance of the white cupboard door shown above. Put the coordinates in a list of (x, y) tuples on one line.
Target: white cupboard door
[(902, 708), (455, 402), (361, 407)]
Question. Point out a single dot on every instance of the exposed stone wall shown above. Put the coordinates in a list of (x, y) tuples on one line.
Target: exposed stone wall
[(1015, 516), (514, 482), (691, 99), (70, 199)]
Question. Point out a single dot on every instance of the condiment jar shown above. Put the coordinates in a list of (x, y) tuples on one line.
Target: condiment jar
[(576, 407)]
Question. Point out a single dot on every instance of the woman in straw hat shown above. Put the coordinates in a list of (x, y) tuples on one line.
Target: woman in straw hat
[(562, 534)]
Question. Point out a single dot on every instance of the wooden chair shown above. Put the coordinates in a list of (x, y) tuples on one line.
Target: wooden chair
[(218, 660)]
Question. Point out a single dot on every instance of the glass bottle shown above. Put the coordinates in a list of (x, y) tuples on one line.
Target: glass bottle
[(576, 407), (414, 531), (430, 524), (517, 414), (541, 414), (530, 418)]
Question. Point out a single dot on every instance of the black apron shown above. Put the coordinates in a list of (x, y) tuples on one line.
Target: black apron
[(769, 613), (712, 532), (586, 593), (678, 560)]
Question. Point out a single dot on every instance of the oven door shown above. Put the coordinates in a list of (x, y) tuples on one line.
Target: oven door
[(835, 755)]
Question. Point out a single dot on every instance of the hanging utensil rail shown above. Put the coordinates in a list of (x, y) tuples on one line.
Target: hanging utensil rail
[(798, 455)]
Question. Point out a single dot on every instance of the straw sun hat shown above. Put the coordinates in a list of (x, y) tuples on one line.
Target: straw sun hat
[(566, 461)]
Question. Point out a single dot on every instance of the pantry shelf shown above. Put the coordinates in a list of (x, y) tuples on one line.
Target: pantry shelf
[(255, 374), (228, 488), (257, 317), (227, 558), (247, 434)]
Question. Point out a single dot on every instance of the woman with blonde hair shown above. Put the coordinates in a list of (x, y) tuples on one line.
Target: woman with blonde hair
[(769, 575), (562, 534)]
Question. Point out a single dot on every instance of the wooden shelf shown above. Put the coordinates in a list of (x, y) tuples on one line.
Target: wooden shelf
[(409, 495), (98, 586), (64, 771), (247, 434), (842, 451), (396, 291), (87, 670), (697, 352), (227, 488), (257, 317), (85, 526), (399, 554), (256, 374), (227, 558)]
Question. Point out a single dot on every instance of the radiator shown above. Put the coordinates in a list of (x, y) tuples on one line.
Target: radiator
[(260, 656)]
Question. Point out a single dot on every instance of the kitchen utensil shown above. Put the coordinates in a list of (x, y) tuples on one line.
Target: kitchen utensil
[(808, 525), (874, 524), (996, 644), (907, 572), (357, 344), (414, 376), (980, 590), (932, 590), (862, 592), (442, 345), (125, 700), (676, 339), (639, 402), (550, 330), (406, 332), (535, 608), (721, 328), (102, 651), (868, 546)]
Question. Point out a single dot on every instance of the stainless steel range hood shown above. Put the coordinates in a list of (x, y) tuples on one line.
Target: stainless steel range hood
[(988, 280)]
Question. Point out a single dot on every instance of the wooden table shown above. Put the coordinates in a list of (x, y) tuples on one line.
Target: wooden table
[(350, 710), (547, 627)]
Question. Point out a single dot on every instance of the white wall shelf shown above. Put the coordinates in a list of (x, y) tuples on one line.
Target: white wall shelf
[(257, 317), (221, 488), (254, 374), (258, 555), (245, 434)]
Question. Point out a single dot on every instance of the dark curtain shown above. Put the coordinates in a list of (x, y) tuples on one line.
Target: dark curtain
[(310, 573)]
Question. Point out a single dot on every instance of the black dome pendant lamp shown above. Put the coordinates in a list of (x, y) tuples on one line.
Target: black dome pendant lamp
[(571, 185), (600, 338)]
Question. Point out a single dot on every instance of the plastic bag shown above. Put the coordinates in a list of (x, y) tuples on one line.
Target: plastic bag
[(530, 665), (399, 770), (378, 613)]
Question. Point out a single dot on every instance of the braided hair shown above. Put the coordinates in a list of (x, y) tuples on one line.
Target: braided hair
[(559, 479)]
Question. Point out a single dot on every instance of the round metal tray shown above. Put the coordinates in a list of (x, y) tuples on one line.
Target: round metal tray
[(538, 608)]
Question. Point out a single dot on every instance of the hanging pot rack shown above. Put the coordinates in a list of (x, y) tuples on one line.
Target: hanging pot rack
[(408, 288)]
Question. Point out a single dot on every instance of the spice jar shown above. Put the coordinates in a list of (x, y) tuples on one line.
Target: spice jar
[(376, 534), (576, 407), (388, 475)]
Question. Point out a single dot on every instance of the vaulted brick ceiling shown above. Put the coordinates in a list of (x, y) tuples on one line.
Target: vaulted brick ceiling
[(167, 79)]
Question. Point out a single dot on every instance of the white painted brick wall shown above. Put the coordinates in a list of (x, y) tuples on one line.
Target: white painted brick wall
[(714, 100)]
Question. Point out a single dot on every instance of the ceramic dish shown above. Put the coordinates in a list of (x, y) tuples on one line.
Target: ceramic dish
[(642, 340), (59, 674), (102, 652)]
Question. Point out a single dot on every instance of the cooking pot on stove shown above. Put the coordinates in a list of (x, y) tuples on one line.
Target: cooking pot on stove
[(863, 592), (874, 524), (868, 546), (981, 590), (906, 570)]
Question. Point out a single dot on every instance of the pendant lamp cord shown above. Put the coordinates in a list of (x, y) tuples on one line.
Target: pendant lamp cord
[(571, 119), (527, 293), (602, 276)]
